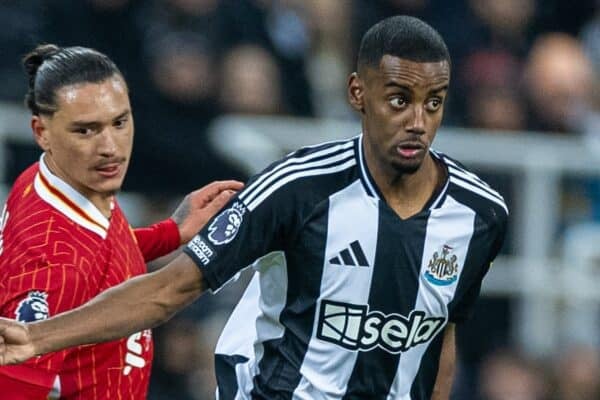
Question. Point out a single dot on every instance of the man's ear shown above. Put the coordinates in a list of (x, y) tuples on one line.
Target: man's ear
[(40, 132), (356, 92)]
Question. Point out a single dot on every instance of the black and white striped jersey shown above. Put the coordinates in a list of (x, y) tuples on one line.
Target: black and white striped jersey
[(350, 300)]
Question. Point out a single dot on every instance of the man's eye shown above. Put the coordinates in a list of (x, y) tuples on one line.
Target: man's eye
[(434, 104), (398, 102), (120, 123)]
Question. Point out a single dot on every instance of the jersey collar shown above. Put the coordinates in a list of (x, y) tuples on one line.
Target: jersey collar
[(63, 197), (372, 189)]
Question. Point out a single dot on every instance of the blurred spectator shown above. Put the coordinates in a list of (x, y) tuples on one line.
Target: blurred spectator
[(251, 82), (330, 59), (492, 99), (281, 28), (577, 374), (559, 81), (506, 375), (505, 22), (172, 155)]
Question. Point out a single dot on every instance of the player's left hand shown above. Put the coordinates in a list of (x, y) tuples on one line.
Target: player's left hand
[(15, 343), (201, 205)]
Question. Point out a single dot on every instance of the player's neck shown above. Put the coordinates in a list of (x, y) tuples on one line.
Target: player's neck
[(407, 194)]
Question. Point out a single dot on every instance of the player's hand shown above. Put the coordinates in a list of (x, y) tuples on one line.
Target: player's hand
[(15, 342), (201, 205)]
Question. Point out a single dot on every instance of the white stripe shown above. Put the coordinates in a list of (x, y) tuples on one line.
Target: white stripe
[(257, 317), (472, 175), (51, 199), (300, 174), (273, 177), (465, 177), (451, 225), (298, 160), (363, 169), (326, 368), (477, 190)]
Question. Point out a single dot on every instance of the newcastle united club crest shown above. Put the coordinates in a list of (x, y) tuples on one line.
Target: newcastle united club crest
[(443, 268)]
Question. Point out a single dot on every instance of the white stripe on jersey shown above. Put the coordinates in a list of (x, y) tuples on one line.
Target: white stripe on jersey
[(461, 175), (363, 169), (300, 174), (333, 159), (257, 316), (326, 369), (456, 166), (479, 191), (294, 160), (456, 221)]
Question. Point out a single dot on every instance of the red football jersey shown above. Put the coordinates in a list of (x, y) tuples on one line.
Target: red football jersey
[(57, 251)]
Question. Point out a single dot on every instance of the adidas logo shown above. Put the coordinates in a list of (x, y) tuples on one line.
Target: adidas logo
[(351, 256)]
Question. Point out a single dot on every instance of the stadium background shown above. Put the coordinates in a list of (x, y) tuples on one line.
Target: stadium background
[(525, 83)]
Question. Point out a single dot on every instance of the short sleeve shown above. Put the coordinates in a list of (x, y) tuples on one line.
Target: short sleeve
[(467, 293), (260, 219)]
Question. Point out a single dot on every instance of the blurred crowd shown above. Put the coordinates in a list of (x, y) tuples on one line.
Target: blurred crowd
[(516, 65)]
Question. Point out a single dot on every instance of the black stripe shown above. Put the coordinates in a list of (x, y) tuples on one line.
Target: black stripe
[(336, 261), (485, 188), (394, 288), (225, 372), (347, 257), (280, 365), (468, 173), (476, 265), (256, 194), (274, 169), (358, 253), (424, 382), (492, 200)]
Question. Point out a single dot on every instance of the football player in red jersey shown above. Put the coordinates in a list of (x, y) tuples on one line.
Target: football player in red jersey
[(63, 236)]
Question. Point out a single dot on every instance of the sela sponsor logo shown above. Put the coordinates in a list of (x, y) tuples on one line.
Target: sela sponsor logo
[(442, 269), (3, 221), (353, 327), (227, 224), (201, 249), (33, 308)]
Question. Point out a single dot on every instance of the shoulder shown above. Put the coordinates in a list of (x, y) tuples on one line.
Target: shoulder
[(23, 185), (473, 192), (310, 173)]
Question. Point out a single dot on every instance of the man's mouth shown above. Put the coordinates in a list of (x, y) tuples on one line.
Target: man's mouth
[(410, 150), (109, 170)]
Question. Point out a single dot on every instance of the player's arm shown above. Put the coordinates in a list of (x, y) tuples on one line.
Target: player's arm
[(136, 304), (445, 376), (139, 303), (166, 236)]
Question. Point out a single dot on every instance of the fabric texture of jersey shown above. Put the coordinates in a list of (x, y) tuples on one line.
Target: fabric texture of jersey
[(350, 301), (57, 251)]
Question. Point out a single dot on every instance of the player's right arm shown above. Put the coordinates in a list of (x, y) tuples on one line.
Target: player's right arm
[(141, 302)]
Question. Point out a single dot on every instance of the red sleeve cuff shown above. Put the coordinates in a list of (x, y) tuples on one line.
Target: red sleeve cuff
[(159, 239)]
